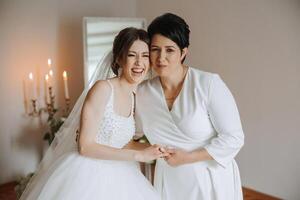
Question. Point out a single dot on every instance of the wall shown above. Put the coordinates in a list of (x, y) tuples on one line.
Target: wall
[(32, 31), (254, 46)]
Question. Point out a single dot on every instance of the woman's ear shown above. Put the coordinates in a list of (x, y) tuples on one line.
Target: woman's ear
[(184, 52)]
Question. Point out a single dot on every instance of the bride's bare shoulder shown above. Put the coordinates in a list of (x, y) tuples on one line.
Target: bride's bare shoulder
[(100, 91)]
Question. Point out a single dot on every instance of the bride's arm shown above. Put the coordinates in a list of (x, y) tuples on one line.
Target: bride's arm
[(135, 145), (91, 115)]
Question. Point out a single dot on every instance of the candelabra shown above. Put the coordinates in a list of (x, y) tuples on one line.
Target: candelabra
[(50, 106), (54, 122), (34, 112), (67, 110)]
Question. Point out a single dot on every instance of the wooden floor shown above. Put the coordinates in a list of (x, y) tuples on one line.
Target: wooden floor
[(250, 194), (7, 193)]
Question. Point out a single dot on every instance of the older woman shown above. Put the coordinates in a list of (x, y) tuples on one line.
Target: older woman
[(194, 115)]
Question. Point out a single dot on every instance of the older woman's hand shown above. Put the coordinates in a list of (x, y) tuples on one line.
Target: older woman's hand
[(176, 157), (150, 153)]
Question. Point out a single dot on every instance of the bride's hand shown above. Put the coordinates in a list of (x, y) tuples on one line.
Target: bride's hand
[(151, 153)]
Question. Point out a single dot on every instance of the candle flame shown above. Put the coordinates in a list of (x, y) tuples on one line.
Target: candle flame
[(50, 72), (49, 62), (46, 77), (30, 76), (65, 75)]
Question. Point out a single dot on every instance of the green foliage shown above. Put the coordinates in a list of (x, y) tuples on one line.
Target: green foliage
[(54, 125), (21, 184)]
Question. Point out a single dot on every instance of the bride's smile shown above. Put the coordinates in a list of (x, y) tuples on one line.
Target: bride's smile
[(137, 62)]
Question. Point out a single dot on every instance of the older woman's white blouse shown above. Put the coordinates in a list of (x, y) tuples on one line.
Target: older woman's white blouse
[(204, 115)]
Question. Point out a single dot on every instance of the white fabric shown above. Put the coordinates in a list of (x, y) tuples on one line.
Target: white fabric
[(64, 174), (78, 177), (65, 139), (115, 130), (204, 115)]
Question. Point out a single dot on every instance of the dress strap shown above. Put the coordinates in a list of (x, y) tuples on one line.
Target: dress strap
[(110, 84), (112, 91), (132, 98), (133, 104)]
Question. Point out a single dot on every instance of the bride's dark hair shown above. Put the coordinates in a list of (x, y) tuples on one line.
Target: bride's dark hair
[(123, 42)]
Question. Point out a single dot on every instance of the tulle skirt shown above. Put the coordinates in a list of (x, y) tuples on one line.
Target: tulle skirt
[(78, 177)]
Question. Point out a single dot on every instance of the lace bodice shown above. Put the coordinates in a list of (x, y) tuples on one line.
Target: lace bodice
[(115, 130)]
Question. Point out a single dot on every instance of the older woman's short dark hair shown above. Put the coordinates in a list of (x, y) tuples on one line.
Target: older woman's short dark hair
[(122, 43), (172, 27)]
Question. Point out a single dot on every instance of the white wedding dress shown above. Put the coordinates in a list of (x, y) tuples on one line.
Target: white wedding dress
[(83, 178)]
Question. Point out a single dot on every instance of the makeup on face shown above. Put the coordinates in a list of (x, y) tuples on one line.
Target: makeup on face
[(165, 55), (137, 62)]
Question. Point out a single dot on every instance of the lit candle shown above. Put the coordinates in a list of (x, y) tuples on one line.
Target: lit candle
[(25, 93), (48, 101), (51, 73), (51, 81), (65, 76), (32, 87), (49, 62)]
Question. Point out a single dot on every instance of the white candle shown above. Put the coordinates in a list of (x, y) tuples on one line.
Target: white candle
[(51, 78), (48, 101), (65, 76), (32, 87), (49, 62), (25, 93)]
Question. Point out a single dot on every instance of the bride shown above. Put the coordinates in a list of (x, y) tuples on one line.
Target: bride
[(100, 167)]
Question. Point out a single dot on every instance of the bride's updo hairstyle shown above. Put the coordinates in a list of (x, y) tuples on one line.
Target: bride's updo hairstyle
[(173, 27), (122, 44)]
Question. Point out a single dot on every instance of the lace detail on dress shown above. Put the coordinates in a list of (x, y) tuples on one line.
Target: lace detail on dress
[(115, 130)]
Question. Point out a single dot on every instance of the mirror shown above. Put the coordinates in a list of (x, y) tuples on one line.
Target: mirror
[(98, 36)]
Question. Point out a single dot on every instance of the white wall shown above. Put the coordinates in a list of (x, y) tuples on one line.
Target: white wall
[(32, 31), (255, 47)]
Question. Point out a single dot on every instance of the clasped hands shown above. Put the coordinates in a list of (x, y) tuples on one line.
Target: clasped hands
[(173, 156)]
